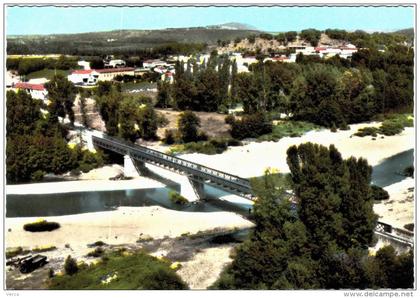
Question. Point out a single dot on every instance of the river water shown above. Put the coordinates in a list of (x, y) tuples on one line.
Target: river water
[(384, 174)]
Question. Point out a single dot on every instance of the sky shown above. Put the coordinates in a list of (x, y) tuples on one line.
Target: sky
[(54, 20)]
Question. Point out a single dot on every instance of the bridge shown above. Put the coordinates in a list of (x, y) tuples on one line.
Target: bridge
[(198, 175)]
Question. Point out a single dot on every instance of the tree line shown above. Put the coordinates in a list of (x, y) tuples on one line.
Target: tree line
[(329, 92), (25, 65)]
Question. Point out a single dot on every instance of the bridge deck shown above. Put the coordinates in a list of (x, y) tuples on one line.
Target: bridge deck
[(194, 171)]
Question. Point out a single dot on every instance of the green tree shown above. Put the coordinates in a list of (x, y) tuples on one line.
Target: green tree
[(22, 113), (188, 124), (62, 94), (163, 99), (70, 266), (108, 108)]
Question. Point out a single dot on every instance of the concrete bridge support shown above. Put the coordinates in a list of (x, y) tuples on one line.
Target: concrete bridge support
[(190, 189), (129, 167)]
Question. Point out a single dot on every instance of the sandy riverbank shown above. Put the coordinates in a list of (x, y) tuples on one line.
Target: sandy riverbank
[(398, 210), (124, 225), (83, 185), (251, 160)]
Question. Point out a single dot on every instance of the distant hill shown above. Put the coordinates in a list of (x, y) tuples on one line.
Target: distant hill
[(123, 40), (409, 32), (233, 26)]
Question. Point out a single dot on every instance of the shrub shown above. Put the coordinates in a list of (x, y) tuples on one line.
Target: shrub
[(70, 266), (367, 131), (409, 171), (230, 119), (97, 243), (390, 128), (333, 128), (163, 279), (234, 142), (44, 248), (169, 138), (13, 252), (41, 226), (177, 198), (409, 227), (251, 126), (378, 193), (96, 253), (37, 175)]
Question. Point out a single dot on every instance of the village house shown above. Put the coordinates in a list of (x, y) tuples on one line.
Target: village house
[(84, 64), (168, 77), (153, 63), (92, 76), (114, 63), (108, 74), (85, 77), (37, 91)]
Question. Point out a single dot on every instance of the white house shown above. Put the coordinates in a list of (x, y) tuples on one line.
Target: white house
[(153, 63), (37, 91), (108, 74), (11, 79), (84, 64), (84, 77), (115, 63)]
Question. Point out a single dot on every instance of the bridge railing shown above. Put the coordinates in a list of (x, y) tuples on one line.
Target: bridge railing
[(187, 165)]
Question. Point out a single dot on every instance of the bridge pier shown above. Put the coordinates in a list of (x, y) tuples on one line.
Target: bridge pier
[(129, 167), (192, 190)]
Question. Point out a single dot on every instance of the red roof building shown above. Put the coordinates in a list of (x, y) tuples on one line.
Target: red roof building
[(28, 86), (110, 70), (82, 71)]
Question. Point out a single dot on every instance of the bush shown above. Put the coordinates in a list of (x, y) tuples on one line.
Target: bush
[(367, 131), (169, 138), (234, 142), (70, 266), (378, 193), (176, 198), (390, 128), (288, 129), (409, 227), (97, 243), (230, 119), (251, 126), (44, 248), (409, 171), (96, 253), (37, 175), (41, 226), (13, 252), (50, 273)]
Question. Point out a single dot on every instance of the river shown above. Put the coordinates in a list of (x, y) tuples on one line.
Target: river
[(384, 174)]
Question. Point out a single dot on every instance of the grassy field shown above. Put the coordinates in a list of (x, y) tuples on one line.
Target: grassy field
[(288, 129), (141, 85), (122, 271), (46, 73)]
